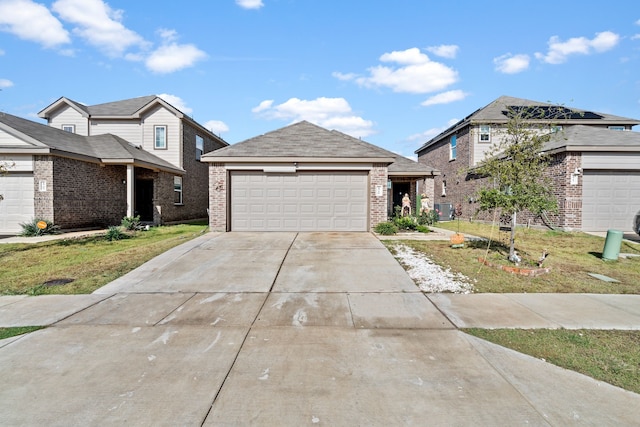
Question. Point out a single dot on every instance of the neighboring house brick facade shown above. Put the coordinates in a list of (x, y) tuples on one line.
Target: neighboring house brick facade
[(580, 132)]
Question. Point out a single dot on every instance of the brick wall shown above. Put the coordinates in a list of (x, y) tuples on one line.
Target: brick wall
[(378, 204), (462, 188), (218, 197), (80, 194)]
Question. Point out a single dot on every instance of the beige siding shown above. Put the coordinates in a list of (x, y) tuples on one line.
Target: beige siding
[(10, 140), (17, 162), (157, 117), (131, 130), (611, 161), (480, 149), (69, 116)]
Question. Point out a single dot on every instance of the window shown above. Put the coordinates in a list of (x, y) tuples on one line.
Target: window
[(556, 128), (177, 190), (69, 128), (453, 146), (617, 127), (485, 133), (160, 137), (199, 147)]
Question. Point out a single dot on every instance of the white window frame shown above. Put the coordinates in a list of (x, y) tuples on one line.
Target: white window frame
[(485, 134), (199, 147), (69, 128), (157, 146), (453, 147), (177, 190)]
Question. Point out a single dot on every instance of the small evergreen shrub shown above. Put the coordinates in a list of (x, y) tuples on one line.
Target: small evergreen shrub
[(386, 228), (131, 223), (423, 229), (405, 222), (31, 229), (115, 233)]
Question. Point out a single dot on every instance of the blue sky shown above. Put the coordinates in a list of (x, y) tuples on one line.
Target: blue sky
[(394, 73)]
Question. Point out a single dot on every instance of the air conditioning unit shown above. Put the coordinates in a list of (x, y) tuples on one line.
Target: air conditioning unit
[(446, 211)]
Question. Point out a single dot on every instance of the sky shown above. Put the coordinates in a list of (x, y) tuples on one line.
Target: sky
[(392, 73)]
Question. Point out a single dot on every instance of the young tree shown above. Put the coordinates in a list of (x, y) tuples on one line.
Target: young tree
[(3, 170), (515, 166)]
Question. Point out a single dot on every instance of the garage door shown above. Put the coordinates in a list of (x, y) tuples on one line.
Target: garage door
[(302, 201), (17, 206), (610, 200)]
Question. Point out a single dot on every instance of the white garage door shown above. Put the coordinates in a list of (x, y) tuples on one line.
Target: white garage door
[(302, 201), (17, 206), (610, 200)]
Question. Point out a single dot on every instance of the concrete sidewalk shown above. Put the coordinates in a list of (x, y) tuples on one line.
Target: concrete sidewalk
[(295, 329)]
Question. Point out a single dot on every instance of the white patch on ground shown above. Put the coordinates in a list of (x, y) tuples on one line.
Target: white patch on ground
[(299, 318), (265, 375), (213, 343), (429, 276)]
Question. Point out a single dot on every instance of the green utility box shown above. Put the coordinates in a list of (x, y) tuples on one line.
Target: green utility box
[(612, 245)]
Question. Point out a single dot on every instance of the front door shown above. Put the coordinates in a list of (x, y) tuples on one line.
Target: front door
[(399, 190), (144, 199)]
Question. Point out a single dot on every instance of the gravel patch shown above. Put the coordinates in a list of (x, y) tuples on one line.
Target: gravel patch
[(429, 276)]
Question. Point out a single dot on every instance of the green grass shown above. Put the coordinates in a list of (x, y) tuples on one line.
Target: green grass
[(12, 332), (91, 262), (609, 356), (572, 256)]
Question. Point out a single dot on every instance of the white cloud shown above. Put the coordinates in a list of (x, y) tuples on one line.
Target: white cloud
[(173, 57), (99, 25), (216, 126), (559, 51), (330, 113), (444, 50), (1, 52), (344, 76), (416, 73), (445, 98), (635, 37), (250, 4), (4, 83), (32, 21), (425, 136), (177, 102), (511, 64)]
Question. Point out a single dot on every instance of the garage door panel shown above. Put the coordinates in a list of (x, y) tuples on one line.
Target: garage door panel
[(609, 200), (17, 206), (304, 201)]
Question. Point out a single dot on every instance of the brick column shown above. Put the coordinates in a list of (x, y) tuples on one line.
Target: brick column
[(217, 197), (378, 204)]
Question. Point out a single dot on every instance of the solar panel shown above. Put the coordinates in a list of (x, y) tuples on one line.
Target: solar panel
[(549, 112)]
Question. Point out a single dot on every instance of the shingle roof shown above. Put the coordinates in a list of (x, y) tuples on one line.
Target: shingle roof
[(304, 140), (100, 147), (496, 113), (126, 107), (590, 138)]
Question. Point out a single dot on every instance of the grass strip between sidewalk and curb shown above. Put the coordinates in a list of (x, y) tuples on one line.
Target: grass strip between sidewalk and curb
[(80, 266), (612, 356)]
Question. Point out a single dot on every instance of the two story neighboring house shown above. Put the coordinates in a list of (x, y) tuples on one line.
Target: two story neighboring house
[(95, 164), (595, 163)]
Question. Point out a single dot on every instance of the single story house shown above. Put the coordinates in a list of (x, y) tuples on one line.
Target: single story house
[(594, 167), (93, 165), (306, 178)]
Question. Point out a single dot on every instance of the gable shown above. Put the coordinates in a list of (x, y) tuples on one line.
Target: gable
[(9, 140)]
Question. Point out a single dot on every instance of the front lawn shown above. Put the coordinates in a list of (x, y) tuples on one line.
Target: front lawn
[(86, 264), (571, 257)]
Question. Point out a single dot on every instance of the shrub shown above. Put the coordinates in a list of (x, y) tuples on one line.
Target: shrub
[(31, 229), (115, 233), (428, 218), (386, 228), (131, 223), (423, 229), (405, 222)]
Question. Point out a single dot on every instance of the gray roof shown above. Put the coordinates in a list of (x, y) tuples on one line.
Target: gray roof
[(105, 148), (495, 113), (591, 138), (307, 141), (125, 108)]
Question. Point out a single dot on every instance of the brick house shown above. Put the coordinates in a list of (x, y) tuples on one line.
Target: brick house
[(595, 164), (93, 165), (306, 178)]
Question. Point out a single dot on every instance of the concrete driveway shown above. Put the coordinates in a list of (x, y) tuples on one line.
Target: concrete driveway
[(281, 329)]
